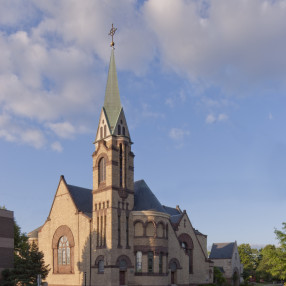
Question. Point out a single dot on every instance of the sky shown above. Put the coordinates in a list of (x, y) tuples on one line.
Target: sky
[(203, 87)]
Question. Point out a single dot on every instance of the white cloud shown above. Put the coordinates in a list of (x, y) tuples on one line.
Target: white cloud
[(56, 146), (222, 43), (211, 118), (222, 117), (62, 129), (178, 134)]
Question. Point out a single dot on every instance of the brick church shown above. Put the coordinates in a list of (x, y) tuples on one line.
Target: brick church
[(118, 232)]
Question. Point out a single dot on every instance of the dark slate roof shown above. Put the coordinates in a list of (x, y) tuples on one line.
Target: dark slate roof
[(176, 218), (34, 233), (144, 199), (222, 250), (82, 198), (171, 211)]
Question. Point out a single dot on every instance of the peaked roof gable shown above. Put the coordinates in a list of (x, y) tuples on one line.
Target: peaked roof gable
[(222, 250), (112, 103)]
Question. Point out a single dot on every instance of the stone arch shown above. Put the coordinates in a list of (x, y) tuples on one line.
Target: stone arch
[(174, 261), (101, 155), (100, 257), (236, 277), (160, 229), (63, 230), (150, 228), (184, 237), (123, 266), (138, 228)]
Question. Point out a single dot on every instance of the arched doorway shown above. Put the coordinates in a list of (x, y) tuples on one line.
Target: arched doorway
[(235, 277), (174, 265), (123, 262)]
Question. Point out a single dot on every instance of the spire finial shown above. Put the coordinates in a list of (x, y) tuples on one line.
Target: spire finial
[(111, 33)]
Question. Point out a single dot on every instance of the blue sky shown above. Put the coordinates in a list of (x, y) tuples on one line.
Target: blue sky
[(203, 88)]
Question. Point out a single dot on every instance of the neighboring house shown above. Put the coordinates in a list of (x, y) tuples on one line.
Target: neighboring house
[(118, 233), (226, 257), (6, 240)]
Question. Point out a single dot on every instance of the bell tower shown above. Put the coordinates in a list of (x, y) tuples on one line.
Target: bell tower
[(113, 178)]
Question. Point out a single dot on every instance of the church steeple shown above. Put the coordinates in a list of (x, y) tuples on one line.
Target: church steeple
[(112, 105)]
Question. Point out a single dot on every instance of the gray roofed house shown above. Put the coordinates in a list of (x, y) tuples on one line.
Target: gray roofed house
[(226, 257), (222, 250)]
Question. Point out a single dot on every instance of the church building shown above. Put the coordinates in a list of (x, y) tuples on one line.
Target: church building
[(118, 232)]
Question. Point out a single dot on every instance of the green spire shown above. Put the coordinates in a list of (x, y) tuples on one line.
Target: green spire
[(112, 104)]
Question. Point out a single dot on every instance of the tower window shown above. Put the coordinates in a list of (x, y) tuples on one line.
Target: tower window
[(101, 132), (104, 130), (120, 164), (119, 130), (63, 251), (123, 130), (150, 261), (127, 231), (101, 170)]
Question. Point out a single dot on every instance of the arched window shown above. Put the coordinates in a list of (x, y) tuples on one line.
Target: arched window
[(123, 130), (150, 261), (138, 261), (101, 170), (63, 251), (150, 229), (101, 132), (119, 130), (101, 266), (104, 130)]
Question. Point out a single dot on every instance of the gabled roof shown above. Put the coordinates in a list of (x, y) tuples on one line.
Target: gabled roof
[(144, 199), (176, 218), (82, 198), (222, 250), (34, 233), (112, 104)]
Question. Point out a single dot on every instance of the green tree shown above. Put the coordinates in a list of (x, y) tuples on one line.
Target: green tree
[(248, 259), (218, 277), (264, 268), (28, 262)]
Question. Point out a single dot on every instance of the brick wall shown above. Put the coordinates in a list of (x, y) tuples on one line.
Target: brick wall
[(6, 240)]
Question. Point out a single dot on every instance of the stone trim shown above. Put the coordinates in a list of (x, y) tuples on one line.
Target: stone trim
[(113, 188), (176, 261), (150, 274), (146, 248), (63, 230), (126, 258)]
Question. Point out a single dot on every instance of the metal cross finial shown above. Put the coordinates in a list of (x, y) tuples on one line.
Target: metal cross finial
[(111, 33)]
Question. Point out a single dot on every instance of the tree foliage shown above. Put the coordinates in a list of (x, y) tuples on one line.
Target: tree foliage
[(218, 277), (28, 262)]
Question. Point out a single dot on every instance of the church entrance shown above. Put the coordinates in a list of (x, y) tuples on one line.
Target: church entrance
[(121, 277), (172, 277)]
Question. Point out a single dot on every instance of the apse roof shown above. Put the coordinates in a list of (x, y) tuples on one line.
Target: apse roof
[(144, 199), (222, 250)]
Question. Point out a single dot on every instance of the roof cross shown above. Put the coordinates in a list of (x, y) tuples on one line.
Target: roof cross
[(111, 33)]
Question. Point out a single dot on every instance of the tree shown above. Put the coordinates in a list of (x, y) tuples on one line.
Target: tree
[(218, 277), (28, 262), (264, 268), (247, 258)]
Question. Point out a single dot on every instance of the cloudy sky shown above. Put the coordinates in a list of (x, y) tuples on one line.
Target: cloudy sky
[(203, 86)]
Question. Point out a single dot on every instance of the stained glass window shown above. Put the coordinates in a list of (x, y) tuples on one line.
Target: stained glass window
[(63, 251)]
